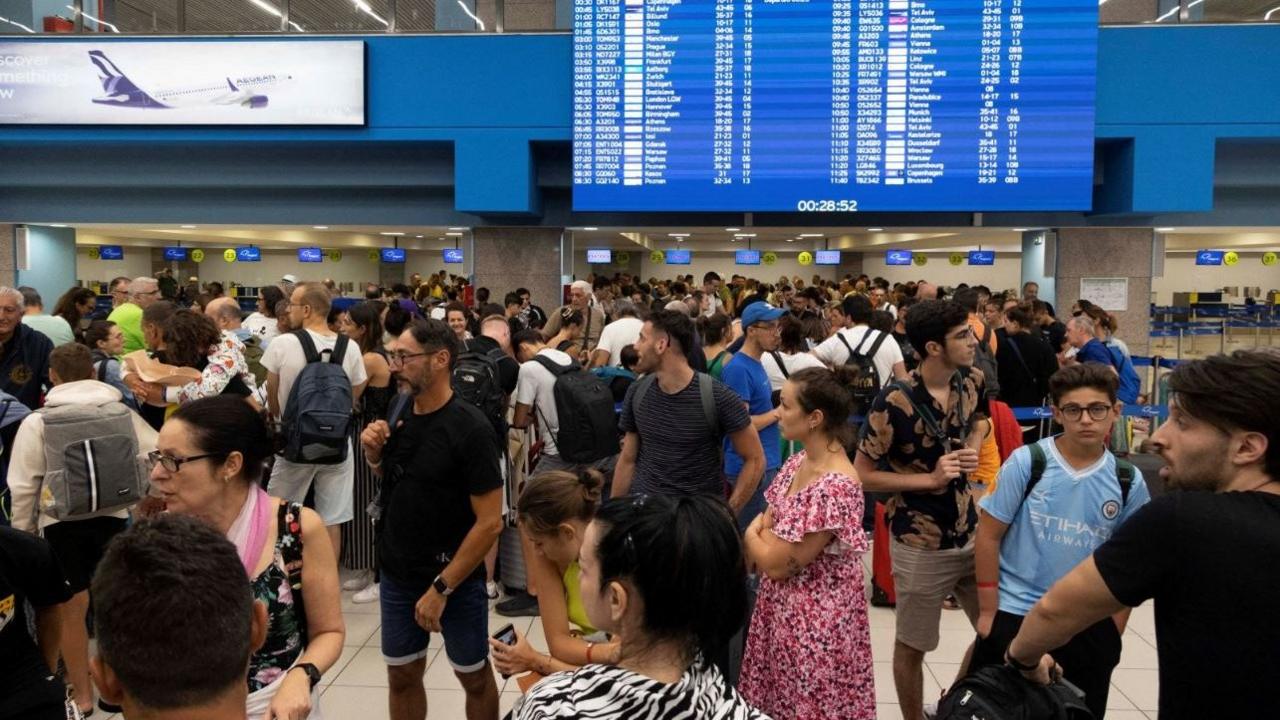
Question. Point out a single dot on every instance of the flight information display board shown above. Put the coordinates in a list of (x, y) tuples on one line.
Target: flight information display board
[(834, 105)]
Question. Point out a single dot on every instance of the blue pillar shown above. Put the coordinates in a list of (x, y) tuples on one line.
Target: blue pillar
[(51, 262)]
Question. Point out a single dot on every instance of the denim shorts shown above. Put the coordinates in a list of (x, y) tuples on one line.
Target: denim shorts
[(465, 624)]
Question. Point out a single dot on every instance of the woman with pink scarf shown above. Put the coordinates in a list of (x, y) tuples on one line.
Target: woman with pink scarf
[(208, 463)]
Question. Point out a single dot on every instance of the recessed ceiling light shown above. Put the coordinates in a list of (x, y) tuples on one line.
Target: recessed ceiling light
[(742, 235), (678, 235), (188, 227), (417, 236), (732, 229), (457, 228), (57, 225), (454, 234), (791, 239), (391, 234), (805, 235), (590, 229), (319, 227), (1165, 229), (1020, 229), (875, 229)]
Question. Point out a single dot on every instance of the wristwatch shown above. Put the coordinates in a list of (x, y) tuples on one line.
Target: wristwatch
[(313, 673), (441, 586)]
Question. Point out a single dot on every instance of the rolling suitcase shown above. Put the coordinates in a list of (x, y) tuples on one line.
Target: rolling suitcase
[(882, 593)]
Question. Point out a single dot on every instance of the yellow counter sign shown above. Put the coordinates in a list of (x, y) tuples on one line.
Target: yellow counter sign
[(197, 255), (229, 255), (1230, 258)]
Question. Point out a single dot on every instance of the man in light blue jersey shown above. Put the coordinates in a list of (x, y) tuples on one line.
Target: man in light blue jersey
[(1052, 505)]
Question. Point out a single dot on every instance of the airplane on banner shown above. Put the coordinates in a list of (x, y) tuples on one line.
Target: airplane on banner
[(122, 92)]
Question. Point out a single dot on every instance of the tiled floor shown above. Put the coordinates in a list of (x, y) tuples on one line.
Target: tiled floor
[(355, 688)]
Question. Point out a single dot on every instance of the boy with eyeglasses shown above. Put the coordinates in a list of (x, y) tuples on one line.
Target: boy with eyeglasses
[(1053, 504)]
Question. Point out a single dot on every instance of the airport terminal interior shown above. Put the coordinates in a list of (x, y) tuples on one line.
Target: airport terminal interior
[(1124, 153)]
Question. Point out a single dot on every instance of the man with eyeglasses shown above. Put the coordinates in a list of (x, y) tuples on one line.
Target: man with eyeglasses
[(441, 511), (284, 359), (127, 315), (1053, 504)]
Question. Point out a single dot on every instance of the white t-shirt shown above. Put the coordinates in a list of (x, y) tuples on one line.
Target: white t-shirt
[(284, 357), (617, 335), (833, 352), (535, 388), (264, 327), (795, 363)]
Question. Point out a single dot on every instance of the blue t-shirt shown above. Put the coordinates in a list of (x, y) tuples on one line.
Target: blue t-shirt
[(1094, 351), (746, 376), (1069, 514)]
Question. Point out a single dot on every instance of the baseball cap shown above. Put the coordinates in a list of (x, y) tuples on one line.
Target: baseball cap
[(760, 312), (289, 278)]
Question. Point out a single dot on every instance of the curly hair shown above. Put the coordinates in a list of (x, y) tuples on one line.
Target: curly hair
[(188, 338)]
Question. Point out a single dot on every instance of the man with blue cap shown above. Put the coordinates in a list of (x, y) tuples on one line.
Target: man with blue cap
[(745, 375)]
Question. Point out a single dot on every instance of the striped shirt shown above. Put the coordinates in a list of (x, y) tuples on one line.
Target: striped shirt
[(603, 691), (679, 454)]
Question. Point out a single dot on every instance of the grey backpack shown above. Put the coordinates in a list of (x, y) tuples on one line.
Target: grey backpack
[(92, 465)]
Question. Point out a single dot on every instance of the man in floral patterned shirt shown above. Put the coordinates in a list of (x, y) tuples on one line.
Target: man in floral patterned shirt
[(917, 445)]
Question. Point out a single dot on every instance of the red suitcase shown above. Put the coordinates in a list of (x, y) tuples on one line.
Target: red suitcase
[(882, 594)]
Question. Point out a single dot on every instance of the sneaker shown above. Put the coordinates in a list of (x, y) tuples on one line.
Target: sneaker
[(492, 588), (359, 581), (367, 595), (520, 604)]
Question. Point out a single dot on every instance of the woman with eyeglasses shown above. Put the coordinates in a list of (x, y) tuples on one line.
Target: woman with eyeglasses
[(665, 577), (208, 463)]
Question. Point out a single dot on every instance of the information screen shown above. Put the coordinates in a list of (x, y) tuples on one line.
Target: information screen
[(600, 257), (1204, 257), (982, 257), (746, 257), (897, 257), (453, 256), (111, 252), (175, 253), (679, 257), (826, 257), (834, 105), (310, 255), (248, 254)]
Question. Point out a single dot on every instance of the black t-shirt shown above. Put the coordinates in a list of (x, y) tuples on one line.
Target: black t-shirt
[(28, 573), (1209, 561), (430, 472)]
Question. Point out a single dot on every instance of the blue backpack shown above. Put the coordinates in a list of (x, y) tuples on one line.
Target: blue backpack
[(317, 416), (1130, 385)]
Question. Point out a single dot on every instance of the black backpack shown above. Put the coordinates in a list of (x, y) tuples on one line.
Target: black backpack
[(584, 406), (867, 385), (475, 379), (998, 692), (985, 360), (317, 415), (1124, 474)]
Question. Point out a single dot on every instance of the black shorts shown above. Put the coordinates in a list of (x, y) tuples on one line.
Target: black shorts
[(79, 545), (1087, 659)]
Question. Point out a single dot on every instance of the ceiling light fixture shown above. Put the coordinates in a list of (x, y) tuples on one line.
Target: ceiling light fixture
[(875, 229), (187, 227), (417, 236), (1165, 229), (57, 225), (742, 235), (791, 239), (732, 229), (319, 227), (1021, 229), (392, 234), (678, 235), (591, 229), (454, 234), (457, 228), (811, 235)]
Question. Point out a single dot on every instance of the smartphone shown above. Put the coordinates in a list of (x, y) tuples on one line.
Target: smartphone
[(506, 636)]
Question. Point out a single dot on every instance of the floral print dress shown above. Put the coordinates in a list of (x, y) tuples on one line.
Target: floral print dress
[(284, 641), (808, 653)]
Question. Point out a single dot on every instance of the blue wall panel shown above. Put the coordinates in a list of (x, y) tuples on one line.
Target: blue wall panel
[(51, 261), (1167, 100)]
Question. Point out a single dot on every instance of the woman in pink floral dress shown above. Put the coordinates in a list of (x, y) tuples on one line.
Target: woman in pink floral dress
[(808, 653)]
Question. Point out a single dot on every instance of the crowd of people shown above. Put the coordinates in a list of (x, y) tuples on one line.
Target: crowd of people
[(681, 481)]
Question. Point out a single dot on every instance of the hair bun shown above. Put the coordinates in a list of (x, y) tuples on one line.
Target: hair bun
[(592, 482)]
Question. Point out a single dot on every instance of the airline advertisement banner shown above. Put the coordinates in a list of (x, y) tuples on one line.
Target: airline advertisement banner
[(182, 83)]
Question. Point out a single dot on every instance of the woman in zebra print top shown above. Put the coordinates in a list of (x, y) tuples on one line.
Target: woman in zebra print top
[(666, 577)]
